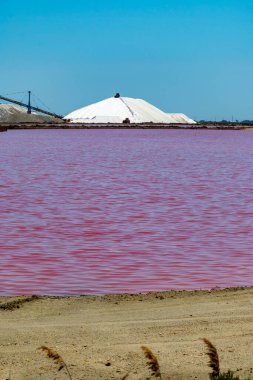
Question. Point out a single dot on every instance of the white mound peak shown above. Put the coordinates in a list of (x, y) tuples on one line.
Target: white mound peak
[(118, 109)]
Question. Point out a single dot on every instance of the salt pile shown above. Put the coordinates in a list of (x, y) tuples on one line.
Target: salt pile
[(180, 118), (118, 109), (15, 114)]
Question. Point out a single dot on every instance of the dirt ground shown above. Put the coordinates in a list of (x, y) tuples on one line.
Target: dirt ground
[(101, 337)]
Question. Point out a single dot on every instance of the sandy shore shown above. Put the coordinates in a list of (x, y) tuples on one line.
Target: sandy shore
[(100, 337)]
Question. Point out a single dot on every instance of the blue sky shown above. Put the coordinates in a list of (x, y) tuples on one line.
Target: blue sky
[(187, 56)]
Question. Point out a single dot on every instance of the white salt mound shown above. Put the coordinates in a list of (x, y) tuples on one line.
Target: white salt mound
[(15, 114), (180, 118), (117, 109)]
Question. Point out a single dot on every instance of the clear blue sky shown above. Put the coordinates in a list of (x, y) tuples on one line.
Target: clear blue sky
[(188, 56)]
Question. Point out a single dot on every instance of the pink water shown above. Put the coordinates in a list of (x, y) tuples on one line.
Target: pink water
[(112, 211)]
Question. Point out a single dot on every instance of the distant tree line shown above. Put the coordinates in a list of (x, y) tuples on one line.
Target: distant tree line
[(227, 122)]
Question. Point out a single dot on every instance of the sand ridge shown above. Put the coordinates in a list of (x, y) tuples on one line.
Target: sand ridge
[(100, 336)]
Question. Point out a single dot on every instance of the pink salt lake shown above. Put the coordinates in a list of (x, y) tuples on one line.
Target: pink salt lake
[(115, 211)]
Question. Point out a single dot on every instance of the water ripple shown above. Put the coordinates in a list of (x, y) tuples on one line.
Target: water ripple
[(88, 211)]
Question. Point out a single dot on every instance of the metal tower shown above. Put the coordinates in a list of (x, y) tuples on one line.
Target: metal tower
[(29, 109)]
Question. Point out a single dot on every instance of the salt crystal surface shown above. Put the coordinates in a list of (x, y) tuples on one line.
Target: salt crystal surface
[(10, 113), (117, 109)]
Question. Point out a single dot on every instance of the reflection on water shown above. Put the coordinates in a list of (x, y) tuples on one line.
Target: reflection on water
[(125, 211)]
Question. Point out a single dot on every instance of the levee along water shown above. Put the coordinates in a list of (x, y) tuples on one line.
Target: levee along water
[(115, 211)]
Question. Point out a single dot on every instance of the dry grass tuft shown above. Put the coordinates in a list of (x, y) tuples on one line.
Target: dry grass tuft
[(56, 358), (214, 362), (152, 362)]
